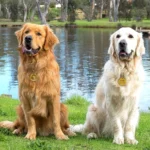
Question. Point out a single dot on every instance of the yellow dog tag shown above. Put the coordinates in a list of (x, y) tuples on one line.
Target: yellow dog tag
[(122, 81), (33, 77)]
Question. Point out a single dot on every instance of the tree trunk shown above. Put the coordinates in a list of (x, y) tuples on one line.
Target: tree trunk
[(32, 13), (43, 14), (92, 9), (7, 10), (1, 10), (25, 11), (116, 6), (64, 9), (111, 11), (101, 9)]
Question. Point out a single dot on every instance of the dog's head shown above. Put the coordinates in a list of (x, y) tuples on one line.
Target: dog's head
[(33, 38), (125, 44)]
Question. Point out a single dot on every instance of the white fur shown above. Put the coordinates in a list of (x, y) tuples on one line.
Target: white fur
[(115, 112)]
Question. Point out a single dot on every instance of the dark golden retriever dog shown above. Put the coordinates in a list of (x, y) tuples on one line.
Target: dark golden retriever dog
[(40, 111)]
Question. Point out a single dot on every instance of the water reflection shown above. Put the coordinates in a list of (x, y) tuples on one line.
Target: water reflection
[(8, 62), (81, 55)]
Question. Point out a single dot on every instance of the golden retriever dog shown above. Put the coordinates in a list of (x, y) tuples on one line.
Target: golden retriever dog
[(115, 112), (40, 111)]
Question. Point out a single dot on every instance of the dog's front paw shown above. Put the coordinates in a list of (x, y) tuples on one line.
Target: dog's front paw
[(92, 136), (62, 137), (131, 141), (118, 140), (31, 136)]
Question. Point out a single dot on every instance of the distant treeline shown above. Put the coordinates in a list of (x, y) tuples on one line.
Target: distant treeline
[(70, 10)]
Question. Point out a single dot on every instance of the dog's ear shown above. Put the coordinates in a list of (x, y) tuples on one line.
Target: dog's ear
[(111, 49), (19, 34), (50, 40), (140, 49)]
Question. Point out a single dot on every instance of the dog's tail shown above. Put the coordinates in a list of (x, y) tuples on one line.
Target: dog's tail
[(18, 123), (7, 124), (77, 128)]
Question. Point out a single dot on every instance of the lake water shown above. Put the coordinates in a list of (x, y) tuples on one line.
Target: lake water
[(81, 54)]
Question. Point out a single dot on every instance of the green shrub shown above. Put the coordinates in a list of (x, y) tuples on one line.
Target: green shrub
[(53, 14), (139, 14)]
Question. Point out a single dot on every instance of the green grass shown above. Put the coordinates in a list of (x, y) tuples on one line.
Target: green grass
[(104, 23), (101, 23), (77, 107)]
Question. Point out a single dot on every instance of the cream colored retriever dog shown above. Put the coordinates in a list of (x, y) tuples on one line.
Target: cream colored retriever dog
[(115, 112)]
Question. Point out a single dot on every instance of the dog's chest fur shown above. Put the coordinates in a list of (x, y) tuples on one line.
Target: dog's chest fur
[(38, 78), (133, 81), (120, 98)]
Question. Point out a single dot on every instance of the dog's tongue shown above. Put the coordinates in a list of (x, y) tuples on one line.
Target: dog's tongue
[(29, 51), (123, 53)]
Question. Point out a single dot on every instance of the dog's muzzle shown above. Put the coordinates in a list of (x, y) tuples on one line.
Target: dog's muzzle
[(27, 49), (123, 55)]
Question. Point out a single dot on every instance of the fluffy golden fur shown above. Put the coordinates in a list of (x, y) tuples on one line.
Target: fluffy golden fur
[(115, 112), (40, 111)]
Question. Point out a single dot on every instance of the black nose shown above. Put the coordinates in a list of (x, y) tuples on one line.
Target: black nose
[(28, 39), (123, 44)]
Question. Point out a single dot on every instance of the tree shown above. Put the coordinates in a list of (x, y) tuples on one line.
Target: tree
[(139, 4), (116, 6), (5, 10), (111, 11), (45, 11), (101, 8), (87, 7), (148, 8), (125, 10), (72, 6), (139, 10), (64, 9), (25, 11), (92, 8), (0, 10), (32, 12), (13, 6)]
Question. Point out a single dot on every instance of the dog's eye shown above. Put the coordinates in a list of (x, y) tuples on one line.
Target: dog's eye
[(130, 36), (38, 33), (118, 36), (26, 32)]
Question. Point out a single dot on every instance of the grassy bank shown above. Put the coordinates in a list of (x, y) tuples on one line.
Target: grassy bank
[(77, 107), (102, 23)]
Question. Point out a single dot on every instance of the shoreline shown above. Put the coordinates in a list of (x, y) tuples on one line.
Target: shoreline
[(84, 24), (71, 26)]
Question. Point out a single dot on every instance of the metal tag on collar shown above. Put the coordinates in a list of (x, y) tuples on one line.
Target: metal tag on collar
[(33, 77), (122, 81)]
